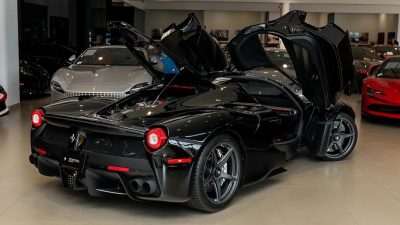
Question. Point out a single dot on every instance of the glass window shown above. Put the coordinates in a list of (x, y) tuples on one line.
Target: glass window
[(267, 93), (390, 69), (107, 56), (224, 94), (281, 58)]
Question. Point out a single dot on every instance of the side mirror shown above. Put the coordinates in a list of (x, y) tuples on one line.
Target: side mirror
[(153, 61), (372, 69), (72, 58)]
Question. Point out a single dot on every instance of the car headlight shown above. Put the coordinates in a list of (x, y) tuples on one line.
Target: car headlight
[(138, 87), (371, 92), (56, 86)]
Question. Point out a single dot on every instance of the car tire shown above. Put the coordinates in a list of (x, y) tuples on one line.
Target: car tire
[(343, 138), (216, 175)]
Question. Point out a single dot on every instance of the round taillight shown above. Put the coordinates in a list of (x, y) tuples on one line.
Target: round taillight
[(156, 138), (37, 117)]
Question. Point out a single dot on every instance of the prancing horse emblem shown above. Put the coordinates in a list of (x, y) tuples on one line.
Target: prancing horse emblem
[(77, 139)]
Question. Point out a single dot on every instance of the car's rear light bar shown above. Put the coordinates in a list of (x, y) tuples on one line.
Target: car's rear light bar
[(180, 86), (179, 161), (118, 169), (41, 151)]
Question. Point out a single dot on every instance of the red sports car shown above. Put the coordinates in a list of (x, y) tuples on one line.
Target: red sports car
[(381, 91)]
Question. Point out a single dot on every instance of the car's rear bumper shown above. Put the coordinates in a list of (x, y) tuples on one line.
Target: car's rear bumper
[(168, 184)]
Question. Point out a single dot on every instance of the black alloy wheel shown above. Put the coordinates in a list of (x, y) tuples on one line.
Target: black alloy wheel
[(216, 175), (343, 138)]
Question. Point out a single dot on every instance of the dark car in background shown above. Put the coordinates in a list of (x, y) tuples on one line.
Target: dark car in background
[(197, 136), (387, 51), (364, 58), (34, 79), (3, 98), (38, 62)]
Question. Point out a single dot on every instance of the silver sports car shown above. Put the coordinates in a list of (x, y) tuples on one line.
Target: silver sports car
[(109, 71)]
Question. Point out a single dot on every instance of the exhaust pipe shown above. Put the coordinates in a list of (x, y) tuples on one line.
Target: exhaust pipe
[(149, 187), (33, 160), (136, 185)]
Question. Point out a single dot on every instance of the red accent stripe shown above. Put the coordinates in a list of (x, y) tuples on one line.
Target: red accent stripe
[(42, 151), (180, 86), (179, 161), (118, 169)]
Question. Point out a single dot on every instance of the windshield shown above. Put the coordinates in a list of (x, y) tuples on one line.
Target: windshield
[(390, 69), (117, 56), (364, 54)]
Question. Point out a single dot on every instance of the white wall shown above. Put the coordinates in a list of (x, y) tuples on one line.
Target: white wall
[(314, 18), (317, 19), (9, 75), (163, 18), (274, 15), (231, 20), (214, 19), (371, 23)]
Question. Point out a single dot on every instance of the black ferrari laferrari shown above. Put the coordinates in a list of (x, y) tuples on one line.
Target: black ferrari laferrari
[(195, 136)]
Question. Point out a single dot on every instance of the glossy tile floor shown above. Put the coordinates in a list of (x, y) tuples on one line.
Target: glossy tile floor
[(364, 189)]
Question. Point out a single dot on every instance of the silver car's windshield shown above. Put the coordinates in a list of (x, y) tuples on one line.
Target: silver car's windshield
[(107, 56)]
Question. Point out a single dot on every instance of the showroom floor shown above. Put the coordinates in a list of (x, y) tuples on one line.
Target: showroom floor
[(364, 189)]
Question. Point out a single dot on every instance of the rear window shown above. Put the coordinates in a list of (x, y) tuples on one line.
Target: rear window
[(224, 94), (281, 59)]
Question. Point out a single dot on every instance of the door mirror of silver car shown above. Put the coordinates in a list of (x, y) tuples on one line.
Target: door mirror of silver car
[(72, 58), (153, 61)]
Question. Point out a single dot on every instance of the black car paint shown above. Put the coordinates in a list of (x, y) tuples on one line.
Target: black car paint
[(38, 63), (189, 129), (50, 56), (33, 78)]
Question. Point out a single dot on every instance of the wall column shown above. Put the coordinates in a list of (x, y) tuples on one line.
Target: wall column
[(9, 65), (398, 28), (285, 8)]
